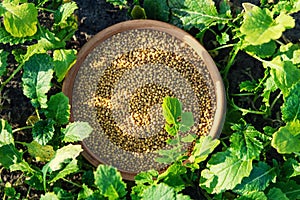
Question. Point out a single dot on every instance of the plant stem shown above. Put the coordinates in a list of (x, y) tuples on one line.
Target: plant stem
[(269, 63), (233, 54), (298, 154), (275, 100), (28, 192), (22, 128), (222, 47), (266, 144), (178, 140), (71, 182), (46, 9), (225, 71), (44, 171), (11, 76), (242, 94), (37, 113), (246, 111), (206, 196)]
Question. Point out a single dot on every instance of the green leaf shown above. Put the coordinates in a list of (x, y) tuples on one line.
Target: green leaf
[(64, 155), (3, 61), (143, 180), (203, 147), (290, 188), (246, 139), (182, 197), (35, 181), (268, 130), (287, 52), (283, 72), (6, 37), (264, 50), (58, 108), (286, 6), (285, 76), (253, 196), (77, 131), (173, 142), (9, 155), (2, 10), (40, 152), (194, 13), (64, 194), (260, 177), (63, 60), (291, 168), (36, 79), (291, 106), (269, 87), (10, 192), (20, 20), (169, 155), (173, 176), (69, 169), (189, 138), (109, 182), (248, 86), (160, 191), (223, 38), (172, 129), (157, 9), (225, 171), (259, 27), (48, 41), (296, 57), (146, 177), (187, 121), (175, 119), (286, 20), (138, 12), (6, 136), (171, 110), (88, 194), (43, 131), (63, 12), (22, 166), (286, 140), (49, 196), (85, 192), (88, 177), (225, 8), (137, 191), (276, 194)]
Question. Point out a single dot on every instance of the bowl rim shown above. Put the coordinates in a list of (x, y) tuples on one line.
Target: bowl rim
[(180, 34)]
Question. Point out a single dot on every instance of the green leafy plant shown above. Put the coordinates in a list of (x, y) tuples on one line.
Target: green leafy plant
[(247, 168), (252, 160), (52, 156), (242, 167), (20, 25), (180, 173), (175, 121)]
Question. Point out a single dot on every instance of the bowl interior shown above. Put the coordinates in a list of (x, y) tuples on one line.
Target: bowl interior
[(118, 84)]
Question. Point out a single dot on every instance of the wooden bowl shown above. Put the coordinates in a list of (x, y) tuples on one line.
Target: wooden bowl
[(118, 83)]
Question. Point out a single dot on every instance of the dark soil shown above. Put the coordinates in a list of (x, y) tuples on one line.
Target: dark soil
[(94, 16)]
